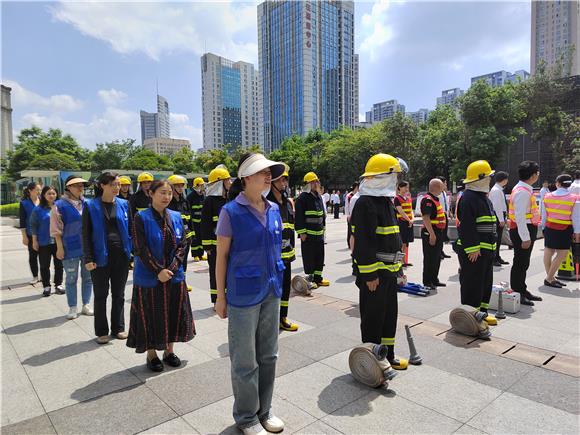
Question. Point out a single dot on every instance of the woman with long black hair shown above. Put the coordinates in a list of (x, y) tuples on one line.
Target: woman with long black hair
[(43, 243), (160, 309), (106, 253), (30, 199)]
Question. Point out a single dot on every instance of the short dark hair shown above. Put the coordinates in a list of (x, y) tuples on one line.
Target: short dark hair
[(564, 179), (156, 184), (442, 178), (577, 174), (104, 178), (527, 169), (501, 176), (354, 185), (43, 201), (30, 186), (403, 184)]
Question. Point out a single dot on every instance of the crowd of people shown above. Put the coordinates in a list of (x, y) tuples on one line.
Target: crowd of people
[(246, 229)]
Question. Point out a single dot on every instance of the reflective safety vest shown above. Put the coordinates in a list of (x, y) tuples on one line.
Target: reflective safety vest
[(406, 205), (72, 229), (559, 210), (532, 213), (440, 219)]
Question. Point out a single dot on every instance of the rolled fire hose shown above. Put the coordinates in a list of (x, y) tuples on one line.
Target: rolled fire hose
[(369, 365)]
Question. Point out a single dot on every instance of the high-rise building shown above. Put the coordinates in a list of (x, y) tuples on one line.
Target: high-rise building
[(384, 110), (449, 96), (6, 121), (230, 103), (307, 67), (165, 145), (500, 78), (420, 116), (554, 33), (156, 124)]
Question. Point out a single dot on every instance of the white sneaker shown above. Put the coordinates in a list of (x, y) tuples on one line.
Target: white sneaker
[(72, 313), (256, 429), (87, 311), (273, 424)]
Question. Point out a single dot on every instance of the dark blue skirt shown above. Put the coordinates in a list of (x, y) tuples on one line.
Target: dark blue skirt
[(558, 239)]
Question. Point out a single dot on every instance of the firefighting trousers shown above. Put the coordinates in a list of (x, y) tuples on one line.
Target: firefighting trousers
[(211, 261), (196, 247), (476, 279), (378, 311), (431, 258), (285, 290), (313, 257)]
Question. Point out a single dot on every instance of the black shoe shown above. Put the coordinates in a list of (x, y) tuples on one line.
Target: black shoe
[(496, 263), (46, 292), (444, 255), (502, 261), (407, 264), (155, 365), (525, 301), (554, 284), (533, 297), (171, 359), (440, 284), (561, 283)]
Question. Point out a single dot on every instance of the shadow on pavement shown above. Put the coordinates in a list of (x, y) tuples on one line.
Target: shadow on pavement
[(346, 279), (352, 312), (563, 292), (109, 384), (37, 324), (21, 299), (61, 352)]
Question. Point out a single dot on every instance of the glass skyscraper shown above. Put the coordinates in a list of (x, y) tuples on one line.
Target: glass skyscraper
[(156, 124), (308, 67)]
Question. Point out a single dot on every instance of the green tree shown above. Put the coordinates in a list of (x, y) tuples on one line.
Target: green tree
[(54, 161), (208, 160), (147, 160), (183, 161), (111, 155)]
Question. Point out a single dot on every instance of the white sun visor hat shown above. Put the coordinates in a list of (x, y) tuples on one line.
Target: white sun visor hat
[(258, 162)]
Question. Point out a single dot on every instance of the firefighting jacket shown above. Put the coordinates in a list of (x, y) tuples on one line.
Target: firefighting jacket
[(478, 229), (288, 238), (210, 213), (310, 216)]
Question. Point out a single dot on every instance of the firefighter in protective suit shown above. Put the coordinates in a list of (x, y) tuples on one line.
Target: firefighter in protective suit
[(195, 200), (279, 195), (310, 224), (217, 192), (476, 244), (377, 253), (141, 200)]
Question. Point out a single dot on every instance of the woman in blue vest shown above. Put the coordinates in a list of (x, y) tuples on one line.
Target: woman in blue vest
[(106, 254), (160, 309), (30, 199), (66, 228), (249, 247), (43, 243)]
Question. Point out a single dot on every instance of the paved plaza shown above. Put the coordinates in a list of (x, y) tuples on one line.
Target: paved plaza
[(57, 379)]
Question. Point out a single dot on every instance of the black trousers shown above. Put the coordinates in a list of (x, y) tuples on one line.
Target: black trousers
[(336, 209), (476, 279), (185, 256), (113, 275), (378, 310), (32, 258), (499, 234), (313, 257), (211, 261), (286, 289), (348, 234), (45, 253), (521, 261), (196, 248), (431, 257)]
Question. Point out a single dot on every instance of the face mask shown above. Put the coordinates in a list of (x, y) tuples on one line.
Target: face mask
[(381, 185), (307, 188), (215, 189), (479, 185)]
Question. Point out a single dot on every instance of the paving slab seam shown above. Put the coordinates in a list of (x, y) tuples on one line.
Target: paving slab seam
[(483, 409)]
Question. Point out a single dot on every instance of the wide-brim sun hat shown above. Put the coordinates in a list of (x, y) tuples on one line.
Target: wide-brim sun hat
[(258, 162), (76, 181)]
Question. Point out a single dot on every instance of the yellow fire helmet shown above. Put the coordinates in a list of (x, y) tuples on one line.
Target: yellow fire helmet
[(198, 181), (478, 170), (218, 173), (124, 180), (382, 164), (176, 179), (310, 177), (144, 176)]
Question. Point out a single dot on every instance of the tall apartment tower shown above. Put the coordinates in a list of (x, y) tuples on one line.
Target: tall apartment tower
[(307, 66), (6, 133), (156, 124), (554, 32), (384, 110), (230, 103)]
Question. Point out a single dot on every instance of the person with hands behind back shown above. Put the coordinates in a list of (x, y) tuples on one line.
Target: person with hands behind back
[(432, 233)]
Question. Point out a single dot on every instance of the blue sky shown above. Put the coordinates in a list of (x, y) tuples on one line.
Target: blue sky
[(88, 68)]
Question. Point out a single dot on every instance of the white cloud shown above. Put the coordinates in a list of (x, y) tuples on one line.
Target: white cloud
[(27, 99), (375, 29), (112, 97), (161, 28), (181, 128)]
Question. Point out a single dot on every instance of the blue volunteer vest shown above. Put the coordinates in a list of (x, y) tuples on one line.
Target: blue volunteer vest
[(143, 276), (43, 225), (99, 236), (255, 268), (28, 208), (73, 227)]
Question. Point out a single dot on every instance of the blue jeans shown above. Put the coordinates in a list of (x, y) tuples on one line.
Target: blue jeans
[(253, 343), (71, 267)]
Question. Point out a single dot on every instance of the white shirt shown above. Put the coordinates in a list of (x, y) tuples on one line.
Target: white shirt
[(325, 197), (497, 198), (561, 191), (575, 187), (352, 202), (347, 201), (521, 201), (444, 201), (335, 199)]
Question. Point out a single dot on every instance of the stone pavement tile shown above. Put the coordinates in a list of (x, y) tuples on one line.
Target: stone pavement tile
[(319, 389), (455, 339), (529, 355), (215, 418), (495, 346), (323, 300), (36, 425), (316, 315), (341, 305), (429, 328), (176, 426), (468, 430), (338, 361), (446, 393), (294, 418), (550, 388), (317, 428), (127, 411), (192, 388), (32, 319), (571, 347), (214, 344), (19, 400), (517, 415), (383, 411), (206, 325), (422, 308), (349, 328), (319, 343), (290, 360), (302, 327), (565, 364)]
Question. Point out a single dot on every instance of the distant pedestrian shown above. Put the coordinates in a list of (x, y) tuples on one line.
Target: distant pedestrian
[(446, 205), (434, 224), (30, 199), (497, 198), (335, 201), (404, 206)]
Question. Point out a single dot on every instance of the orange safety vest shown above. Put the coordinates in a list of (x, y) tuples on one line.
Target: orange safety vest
[(532, 213), (559, 210), (440, 220), (407, 205)]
